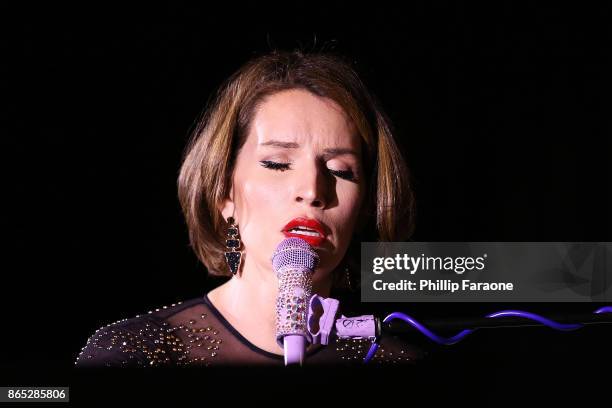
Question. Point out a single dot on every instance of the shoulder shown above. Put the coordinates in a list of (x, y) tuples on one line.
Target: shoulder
[(143, 340)]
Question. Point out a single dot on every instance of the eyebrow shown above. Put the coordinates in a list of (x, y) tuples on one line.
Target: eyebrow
[(332, 151)]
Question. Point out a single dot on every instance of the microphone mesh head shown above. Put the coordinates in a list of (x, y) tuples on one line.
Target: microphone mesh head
[(294, 253)]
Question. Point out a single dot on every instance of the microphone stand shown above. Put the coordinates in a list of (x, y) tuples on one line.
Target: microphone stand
[(322, 323)]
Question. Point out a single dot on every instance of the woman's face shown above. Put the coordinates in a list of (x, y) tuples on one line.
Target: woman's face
[(301, 158)]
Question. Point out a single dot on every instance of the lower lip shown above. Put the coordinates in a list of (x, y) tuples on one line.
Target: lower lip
[(312, 241)]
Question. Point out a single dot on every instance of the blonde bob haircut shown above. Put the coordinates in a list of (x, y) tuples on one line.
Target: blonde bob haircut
[(206, 172)]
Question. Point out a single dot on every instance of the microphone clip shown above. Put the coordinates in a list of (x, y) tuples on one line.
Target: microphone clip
[(322, 322)]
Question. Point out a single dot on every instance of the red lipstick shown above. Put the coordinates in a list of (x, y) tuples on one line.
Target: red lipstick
[(310, 230)]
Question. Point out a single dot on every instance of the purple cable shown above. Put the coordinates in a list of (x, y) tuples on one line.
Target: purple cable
[(447, 341), (440, 340), (546, 322), (371, 352)]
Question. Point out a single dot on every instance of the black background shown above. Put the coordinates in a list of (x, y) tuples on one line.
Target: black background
[(501, 111)]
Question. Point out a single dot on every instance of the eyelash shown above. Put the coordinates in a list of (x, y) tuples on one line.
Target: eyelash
[(343, 174)]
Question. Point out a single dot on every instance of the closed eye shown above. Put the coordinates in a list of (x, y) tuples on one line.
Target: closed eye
[(274, 165), (344, 174)]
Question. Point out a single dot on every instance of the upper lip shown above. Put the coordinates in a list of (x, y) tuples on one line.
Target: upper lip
[(305, 222)]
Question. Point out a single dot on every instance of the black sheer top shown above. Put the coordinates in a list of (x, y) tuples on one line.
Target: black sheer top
[(194, 333)]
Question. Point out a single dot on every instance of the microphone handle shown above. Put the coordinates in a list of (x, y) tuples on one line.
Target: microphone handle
[(295, 289), (294, 346)]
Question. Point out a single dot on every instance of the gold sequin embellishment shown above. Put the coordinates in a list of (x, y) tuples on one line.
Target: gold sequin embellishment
[(152, 344)]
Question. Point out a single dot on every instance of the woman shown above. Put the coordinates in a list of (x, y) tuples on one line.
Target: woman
[(293, 145)]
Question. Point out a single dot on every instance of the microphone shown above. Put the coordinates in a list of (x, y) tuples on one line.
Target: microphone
[(293, 262)]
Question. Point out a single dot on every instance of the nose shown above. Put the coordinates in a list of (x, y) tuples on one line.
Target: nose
[(312, 187)]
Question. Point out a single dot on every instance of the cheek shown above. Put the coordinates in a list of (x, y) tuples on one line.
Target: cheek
[(262, 196), (350, 199), (259, 212)]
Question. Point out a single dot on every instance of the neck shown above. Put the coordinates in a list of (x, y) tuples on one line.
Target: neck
[(248, 302)]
